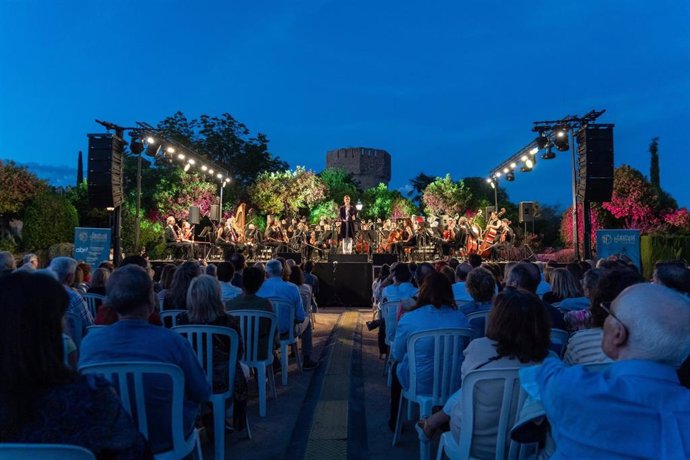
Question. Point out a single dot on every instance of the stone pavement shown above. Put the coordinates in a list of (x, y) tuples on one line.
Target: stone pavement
[(338, 411)]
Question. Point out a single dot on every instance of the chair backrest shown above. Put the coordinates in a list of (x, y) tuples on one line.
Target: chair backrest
[(479, 321), (203, 338), (512, 399), (389, 313), (93, 301), (448, 345), (250, 322), (44, 452), (169, 318), (559, 339), (128, 379), (95, 327), (74, 327), (286, 315)]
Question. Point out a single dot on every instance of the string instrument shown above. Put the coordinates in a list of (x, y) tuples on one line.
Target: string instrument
[(361, 246), (490, 233), (238, 223), (395, 236)]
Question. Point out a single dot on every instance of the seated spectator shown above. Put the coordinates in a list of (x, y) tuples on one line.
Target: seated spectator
[(98, 281), (635, 408), (563, 286), (226, 272), (41, 399), (584, 346), (205, 307), (78, 315), (311, 279), (544, 284), (176, 297), (518, 336), (526, 275), (377, 285), (401, 288), (253, 278), (108, 266), (297, 278), (276, 288), (7, 263), (238, 261), (29, 262), (82, 278), (459, 289), (475, 260), (132, 338), (165, 282), (576, 319), (448, 273), (481, 285), (435, 309), (212, 270), (673, 274)]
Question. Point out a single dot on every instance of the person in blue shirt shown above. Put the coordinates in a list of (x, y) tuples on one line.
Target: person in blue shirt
[(130, 292), (636, 407), (401, 288), (275, 288), (435, 309)]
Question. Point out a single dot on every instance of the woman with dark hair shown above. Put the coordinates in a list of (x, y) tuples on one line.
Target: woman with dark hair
[(41, 399), (564, 285), (481, 286), (176, 297), (165, 281), (435, 309), (98, 281), (518, 336), (305, 293)]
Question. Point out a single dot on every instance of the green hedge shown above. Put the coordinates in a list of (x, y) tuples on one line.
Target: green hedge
[(662, 247), (49, 219)]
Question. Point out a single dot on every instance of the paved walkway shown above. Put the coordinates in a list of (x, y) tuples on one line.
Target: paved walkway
[(338, 411)]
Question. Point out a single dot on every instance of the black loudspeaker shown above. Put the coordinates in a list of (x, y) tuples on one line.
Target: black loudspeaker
[(380, 259), (193, 215), (344, 284), (105, 170), (296, 256), (526, 211), (214, 213), (347, 258), (595, 163)]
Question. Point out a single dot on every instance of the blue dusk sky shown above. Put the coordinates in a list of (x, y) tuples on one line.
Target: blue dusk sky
[(445, 87)]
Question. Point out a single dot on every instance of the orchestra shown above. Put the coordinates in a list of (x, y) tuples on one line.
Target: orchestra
[(449, 236)]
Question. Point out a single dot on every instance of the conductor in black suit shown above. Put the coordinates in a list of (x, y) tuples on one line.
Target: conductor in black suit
[(348, 216)]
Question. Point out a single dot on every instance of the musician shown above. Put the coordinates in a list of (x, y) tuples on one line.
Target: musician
[(275, 236), (171, 230), (173, 238), (347, 216), (187, 234), (448, 238)]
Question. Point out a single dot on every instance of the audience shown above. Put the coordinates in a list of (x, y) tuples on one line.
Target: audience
[(78, 317), (29, 262), (481, 286), (377, 285), (517, 336), (226, 272), (635, 408), (401, 288), (98, 281), (311, 279), (297, 278), (276, 288), (41, 399), (7, 263), (563, 286), (526, 275), (435, 309), (176, 297), (673, 274), (166, 277), (132, 338), (238, 261), (459, 290)]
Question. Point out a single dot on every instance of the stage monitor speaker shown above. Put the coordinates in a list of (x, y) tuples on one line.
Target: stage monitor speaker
[(214, 213), (193, 215), (595, 163), (296, 256), (344, 284), (380, 259), (105, 170), (526, 211), (347, 258)]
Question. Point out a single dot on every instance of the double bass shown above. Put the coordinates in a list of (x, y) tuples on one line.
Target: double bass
[(490, 234)]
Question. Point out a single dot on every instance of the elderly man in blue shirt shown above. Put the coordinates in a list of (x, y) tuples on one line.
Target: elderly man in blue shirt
[(636, 407), (275, 288), (78, 316)]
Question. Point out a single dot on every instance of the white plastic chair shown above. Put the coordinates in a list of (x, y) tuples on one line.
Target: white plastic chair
[(128, 378), (291, 340), (559, 340), (250, 321), (511, 402), (74, 327), (201, 338), (389, 314), (169, 317), (476, 319), (44, 452), (448, 346), (92, 302)]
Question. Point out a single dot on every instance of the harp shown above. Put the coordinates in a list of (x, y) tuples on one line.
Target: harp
[(238, 224)]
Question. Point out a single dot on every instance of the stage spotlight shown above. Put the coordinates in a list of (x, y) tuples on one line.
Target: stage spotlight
[(219, 176), (152, 149), (510, 177), (210, 171), (204, 167), (561, 140), (548, 155), (191, 161), (497, 175), (505, 170), (150, 140), (525, 169), (180, 156), (488, 180), (523, 158), (542, 141), (170, 150), (533, 151), (136, 145), (513, 165), (492, 185), (529, 163), (186, 167)]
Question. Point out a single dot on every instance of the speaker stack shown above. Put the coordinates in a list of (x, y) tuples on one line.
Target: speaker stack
[(595, 163), (526, 211), (105, 170)]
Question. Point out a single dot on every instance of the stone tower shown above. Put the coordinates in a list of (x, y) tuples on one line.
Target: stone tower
[(368, 166)]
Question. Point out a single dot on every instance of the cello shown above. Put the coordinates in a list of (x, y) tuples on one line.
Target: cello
[(490, 233)]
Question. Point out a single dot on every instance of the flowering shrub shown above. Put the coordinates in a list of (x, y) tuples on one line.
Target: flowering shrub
[(402, 207), (567, 224), (287, 191), (445, 196), (18, 187), (175, 194)]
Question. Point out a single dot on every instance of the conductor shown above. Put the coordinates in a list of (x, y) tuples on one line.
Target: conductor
[(348, 215)]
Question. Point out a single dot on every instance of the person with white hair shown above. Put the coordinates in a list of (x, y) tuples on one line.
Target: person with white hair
[(275, 288), (7, 263), (29, 263), (78, 315), (636, 407)]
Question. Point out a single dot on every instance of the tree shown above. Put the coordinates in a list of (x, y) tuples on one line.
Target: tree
[(287, 192), (635, 202), (176, 193), (228, 143), (654, 176), (338, 184), (49, 219), (419, 183), (378, 202), (445, 196), (18, 187)]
